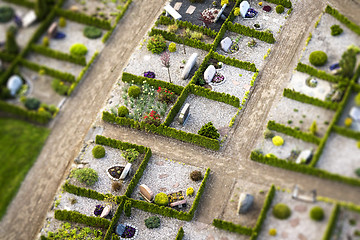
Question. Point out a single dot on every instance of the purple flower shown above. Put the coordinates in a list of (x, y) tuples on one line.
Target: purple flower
[(98, 210), (218, 78), (129, 232), (149, 74)]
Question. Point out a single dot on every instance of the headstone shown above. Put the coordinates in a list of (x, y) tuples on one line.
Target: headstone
[(220, 13), (184, 114), (337, 96), (226, 44), (52, 30), (14, 84), (245, 202), (120, 229), (125, 171), (305, 155), (106, 211), (209, 73), (244, 6), (146, 192), (74, 8), (29, 18), (170, 10), (189, 65), (355, 113)]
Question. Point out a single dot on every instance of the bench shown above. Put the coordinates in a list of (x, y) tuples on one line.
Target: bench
[(170, 10), (296, 195)]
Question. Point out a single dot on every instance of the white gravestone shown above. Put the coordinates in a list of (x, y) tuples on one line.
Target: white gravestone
[(14, 84), (226, 44), (209, 73), (244, 7), (189, 65)]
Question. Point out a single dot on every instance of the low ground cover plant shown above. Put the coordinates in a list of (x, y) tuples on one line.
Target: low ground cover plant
[(92, 32), (156, 44), (87, 176), (152, 222), (336, 30), (130, 154)]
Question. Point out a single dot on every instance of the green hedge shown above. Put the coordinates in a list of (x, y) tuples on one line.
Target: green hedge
[(301, 67), (307, 137), (331, 223), (250, 32), (24, 3), (46, 51), (187, 41), (83, 192), (115, 219), (234, 62), (347, 132), (48, 71), (84, 19), (129, 78), (177, 106), (285, 3), (292, 94), (76, 217), (274, 161), (32, 116), (352, 26), (7, 57), (199, 73), (180, 234), (101, 140), (231, 227), (199, 193)]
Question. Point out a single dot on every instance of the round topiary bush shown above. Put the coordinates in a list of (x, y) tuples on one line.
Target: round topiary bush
[(152, 222), (281, 211), (317, 213), (156, 44), (196, 175), (161, 199), (278, 141), (45, 41), (134, 91), (318, 58), (172, 47), (98, 151), (336, 30), (190, 191), (123, 111), (32, 103), (78, 49), (87, 176), (279, 9), (62, 22), (92, 32), (6, 14), (272, 232)]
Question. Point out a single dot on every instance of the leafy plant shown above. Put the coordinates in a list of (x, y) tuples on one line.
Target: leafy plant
[(347, 62), (130, 154), (313, 127), (348, 122), (152, 222), (336, 30), (87, 176), (272, 231), (318, 58), (268, 134), (173, 28), (134, 91), (45, 41), (161, 199), (236, 11), (78, 49), (317, 213), (172, 47), (281, 211), (165, 95), (156, 44), (92, 32), (152, 118), (190, 191), (60, 87), (208, 130), (279, 9), (123, 111), (278, 141), (196, 175), (32, 103), (62, 22)]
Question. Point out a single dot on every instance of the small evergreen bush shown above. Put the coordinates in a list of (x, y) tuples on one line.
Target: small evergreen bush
[(87, 176), (317, 214), (278, 141), (62, 22), (348, 122), (313, 128), (281, 211), (6, 14), (172, 47), (272, 232), (134, 91), (60, 87), (173, 28), (92, 32), (336, 30), (152, 222), (45, 41), (32, 103), (11, 45), (318, 58), (161, 199), (78, 49), (156, 44), (98, 151), (279, 9), (196, 175), (208, 130), (190, 191), (123, 111)]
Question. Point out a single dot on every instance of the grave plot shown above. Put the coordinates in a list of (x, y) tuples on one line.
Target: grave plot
[(286, 147), (182, 64), (199, 230), (202, 111), (301, 116), (347, 224), (350, 117), (295, 219), (340, 156)]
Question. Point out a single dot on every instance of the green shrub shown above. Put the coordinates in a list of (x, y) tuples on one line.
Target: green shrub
[(130, 154), (236, 11), (6, 14), (45, 41), (156, 44), (123, 111), (318, 58), (196, 175), (172, 47), (98, 151), (272, 232), (11, 45), (62, 22), (279, 9), (348, 122), (92, 32), (268, 134), (78, 49), (278, 141), (281, 211), (87, 176), (336, 30), (357, 172), (60, 87), (173, 28), (161, 199), (190, 191), (313, 128), (32, 103), (317, 213), (357, 99), (152, 222), (134, 91), (348, 62), (208, 130)]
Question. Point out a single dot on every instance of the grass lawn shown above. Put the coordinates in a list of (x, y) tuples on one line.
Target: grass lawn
[(20, 144)]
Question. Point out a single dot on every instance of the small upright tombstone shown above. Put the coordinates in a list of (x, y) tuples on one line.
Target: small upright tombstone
[(245, 202), (244, 7), (52, 30), (189, 65), (355, 113), (29, 18), (120, 229), (184, 114), (125, 171), (106, 211), (226, 44), (305, 156), (14, 84), (209, 73), (146, 192)]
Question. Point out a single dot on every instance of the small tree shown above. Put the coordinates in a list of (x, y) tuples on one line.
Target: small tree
[(348, 62), (313, 127), (11, 46), (165, 60), (208, 130)]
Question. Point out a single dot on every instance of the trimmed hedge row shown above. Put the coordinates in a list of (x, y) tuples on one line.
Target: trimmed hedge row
[(77, 217), (198, 74), (24, 3), (177, 106), (101, 140), (163, 130), (83, 192), (48, 71), (216, 96), (331, 223), (32, 116), (46, 51), (129, 78), (84, 19), (301, 67), (235, 62), (274, 161), (352, 26), (231, 227), (307, 137), (250, 32), (180, 234), (7, 57), (115, 219), (285, 3), (292, 94), (187, 41), (347, 132)]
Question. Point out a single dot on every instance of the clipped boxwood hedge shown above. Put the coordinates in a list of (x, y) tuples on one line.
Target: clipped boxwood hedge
[(76, 217)]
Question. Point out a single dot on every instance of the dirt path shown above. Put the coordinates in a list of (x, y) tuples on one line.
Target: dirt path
[(28, 209)]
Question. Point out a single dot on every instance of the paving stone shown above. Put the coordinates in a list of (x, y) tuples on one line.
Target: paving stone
[(302, 237), (162, 176), (300, 208), (294, 222)]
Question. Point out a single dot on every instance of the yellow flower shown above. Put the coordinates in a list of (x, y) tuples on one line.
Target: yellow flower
[(260, 3)]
